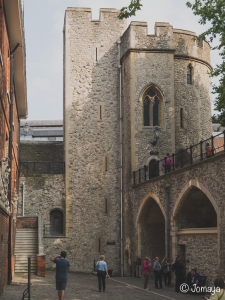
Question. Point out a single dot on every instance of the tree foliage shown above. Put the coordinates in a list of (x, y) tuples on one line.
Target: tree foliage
[(130, 10), (213, 11), (210, 12)]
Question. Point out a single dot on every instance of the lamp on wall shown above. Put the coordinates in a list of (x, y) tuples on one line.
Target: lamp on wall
[(156, 132)]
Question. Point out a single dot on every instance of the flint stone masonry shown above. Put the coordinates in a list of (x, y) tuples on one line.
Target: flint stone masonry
[(202, 250), (91, 79), (41, 151)]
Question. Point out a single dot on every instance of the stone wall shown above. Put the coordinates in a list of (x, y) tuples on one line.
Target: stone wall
[(41, 151), (201, 176), (91, 123)]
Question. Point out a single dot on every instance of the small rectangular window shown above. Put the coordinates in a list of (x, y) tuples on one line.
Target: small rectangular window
[(181, 118), (96, 53), (106, 206), (106, 163), (100, 112)]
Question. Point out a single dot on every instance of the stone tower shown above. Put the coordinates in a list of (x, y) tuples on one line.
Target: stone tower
[(91, 124), (164, 85), (170, 69)]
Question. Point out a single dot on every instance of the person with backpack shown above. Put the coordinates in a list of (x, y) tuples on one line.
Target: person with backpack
[(158, 273), (146, 269), (167, 163), (102, 271)]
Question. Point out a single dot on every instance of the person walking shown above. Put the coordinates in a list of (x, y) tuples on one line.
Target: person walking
[(158, 273), (146, 269), (62, 266), (166, 271), (167, 163), (179, 269), (102, 271)]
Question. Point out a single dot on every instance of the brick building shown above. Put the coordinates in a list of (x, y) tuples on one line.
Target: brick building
[(13, 106)]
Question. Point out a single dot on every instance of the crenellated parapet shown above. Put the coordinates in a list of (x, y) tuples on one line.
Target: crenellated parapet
[(165, 39)]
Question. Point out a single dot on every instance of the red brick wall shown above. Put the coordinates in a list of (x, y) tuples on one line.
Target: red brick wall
[(4, 142), (4, 225), (27, 222)]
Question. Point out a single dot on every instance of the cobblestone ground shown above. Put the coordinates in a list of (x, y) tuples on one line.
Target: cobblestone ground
[(81, 286)]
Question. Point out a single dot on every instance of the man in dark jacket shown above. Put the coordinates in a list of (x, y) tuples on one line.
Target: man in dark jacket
[(179, 269)]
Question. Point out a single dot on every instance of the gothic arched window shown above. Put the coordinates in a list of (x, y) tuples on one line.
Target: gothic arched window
[(189, 74), (152, 107)]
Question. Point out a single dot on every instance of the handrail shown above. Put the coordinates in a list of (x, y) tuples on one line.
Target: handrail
[(181, 158), (27, 290)]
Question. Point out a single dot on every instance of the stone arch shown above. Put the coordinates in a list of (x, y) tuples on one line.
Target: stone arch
[(150, 226), (200, 186), (150, 158), (156, 198), (195, 220)]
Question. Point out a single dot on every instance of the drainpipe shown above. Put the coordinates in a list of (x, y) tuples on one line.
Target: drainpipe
[(10, 162), (121, 159), (22, 199), (167, 188)]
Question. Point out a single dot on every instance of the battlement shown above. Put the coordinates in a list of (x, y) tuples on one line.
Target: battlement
[(165, 38), (87, 12)]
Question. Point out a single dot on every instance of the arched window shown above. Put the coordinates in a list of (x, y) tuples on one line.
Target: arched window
[(146, 112), (151, 107), (56, 222), (189, 74), (181, 118)]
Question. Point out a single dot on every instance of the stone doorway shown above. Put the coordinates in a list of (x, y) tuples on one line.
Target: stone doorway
[(195, 227), (151, 231)]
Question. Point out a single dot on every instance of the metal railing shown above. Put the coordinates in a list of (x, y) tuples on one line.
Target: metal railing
[(41, 167), (26, 293), (53, 230), (182, 158)]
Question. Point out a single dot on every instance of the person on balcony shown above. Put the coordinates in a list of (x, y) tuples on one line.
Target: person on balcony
[(167, 163)]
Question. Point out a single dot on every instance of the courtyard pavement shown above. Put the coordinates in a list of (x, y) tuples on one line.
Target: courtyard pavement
[(84, 286)]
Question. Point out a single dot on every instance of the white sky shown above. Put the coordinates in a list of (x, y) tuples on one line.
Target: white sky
[(44, 44)]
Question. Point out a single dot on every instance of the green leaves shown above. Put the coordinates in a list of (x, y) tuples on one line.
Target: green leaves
[(213, 11), (127, 12)]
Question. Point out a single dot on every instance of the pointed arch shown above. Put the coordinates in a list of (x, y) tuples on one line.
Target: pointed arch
[(185, 190), (153, 196)]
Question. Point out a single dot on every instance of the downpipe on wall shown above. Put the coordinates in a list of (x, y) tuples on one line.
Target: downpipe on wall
[(10, 161), (121, 159), (167, 188)]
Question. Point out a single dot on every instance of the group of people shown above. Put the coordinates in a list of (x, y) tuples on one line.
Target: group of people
[(164, 269), (160, 270)]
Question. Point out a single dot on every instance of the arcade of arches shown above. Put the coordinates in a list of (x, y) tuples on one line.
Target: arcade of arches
[(194, 218)]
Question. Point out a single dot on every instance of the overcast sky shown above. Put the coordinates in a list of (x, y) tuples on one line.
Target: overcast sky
[(44, 44)]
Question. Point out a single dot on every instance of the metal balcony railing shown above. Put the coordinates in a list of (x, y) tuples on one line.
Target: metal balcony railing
[(182, 158)]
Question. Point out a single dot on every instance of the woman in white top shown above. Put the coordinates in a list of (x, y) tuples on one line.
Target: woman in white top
[(102, 270), (219, 292)]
